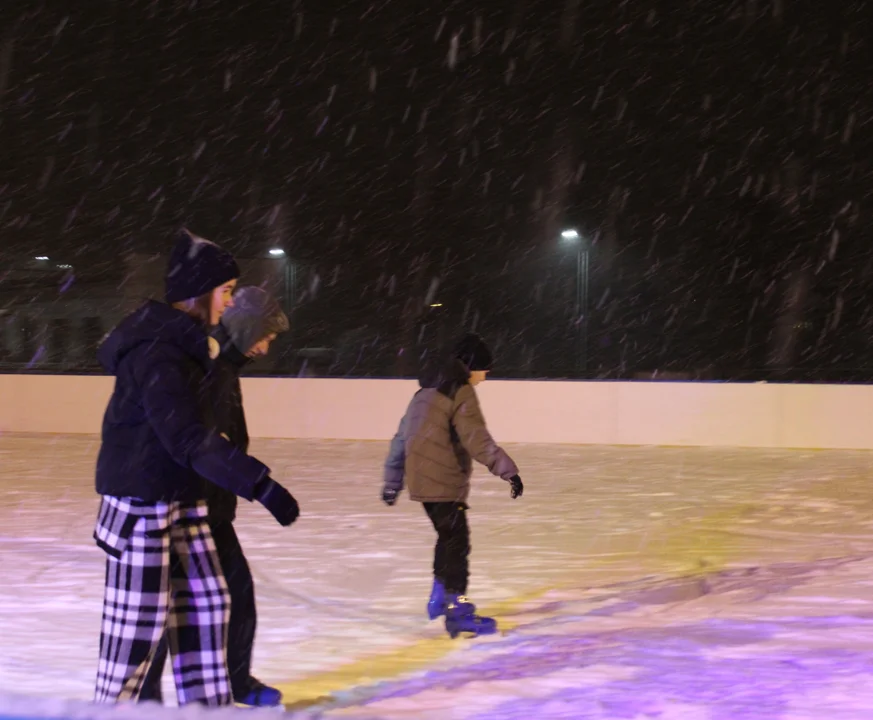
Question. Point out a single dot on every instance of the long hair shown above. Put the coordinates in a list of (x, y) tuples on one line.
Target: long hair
[(199, 308)]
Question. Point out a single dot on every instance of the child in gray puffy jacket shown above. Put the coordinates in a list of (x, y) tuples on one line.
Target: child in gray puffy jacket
[(440, 435)]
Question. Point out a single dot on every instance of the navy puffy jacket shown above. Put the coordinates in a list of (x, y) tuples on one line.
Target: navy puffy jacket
[(159, 443)]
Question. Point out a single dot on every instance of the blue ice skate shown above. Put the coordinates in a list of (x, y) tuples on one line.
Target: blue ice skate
[(260, 695), (436, 606), (461, 617)]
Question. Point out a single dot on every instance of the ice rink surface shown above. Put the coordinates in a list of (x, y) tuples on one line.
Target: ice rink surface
[(629, 582)]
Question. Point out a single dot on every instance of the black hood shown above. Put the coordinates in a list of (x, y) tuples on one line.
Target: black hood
[(154, 322), (440, 374), (448, 369), (473, 352)]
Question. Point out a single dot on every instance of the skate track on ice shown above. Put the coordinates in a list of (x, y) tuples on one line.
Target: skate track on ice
[(631, 583)]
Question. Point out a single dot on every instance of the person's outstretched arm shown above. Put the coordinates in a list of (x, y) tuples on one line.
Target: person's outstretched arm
[(470, 425), (395, 465)]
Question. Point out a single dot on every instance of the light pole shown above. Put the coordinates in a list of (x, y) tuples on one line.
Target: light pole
[(573, 238), (288, 275), (288, 272)]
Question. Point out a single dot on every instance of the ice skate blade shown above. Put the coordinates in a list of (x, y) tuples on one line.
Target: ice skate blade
[(483, 631), (471, 635)]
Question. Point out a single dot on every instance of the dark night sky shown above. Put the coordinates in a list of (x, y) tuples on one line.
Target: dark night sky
[(711, 149)]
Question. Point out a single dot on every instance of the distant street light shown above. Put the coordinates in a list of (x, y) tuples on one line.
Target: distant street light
[(41, 257), (288, 276), (572, 237)]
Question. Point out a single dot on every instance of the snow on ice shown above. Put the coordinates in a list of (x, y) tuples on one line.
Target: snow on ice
[(630, 583)]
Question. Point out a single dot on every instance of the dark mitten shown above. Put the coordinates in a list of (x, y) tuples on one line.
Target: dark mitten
[(280, 503), (517, 489), (389, 495)]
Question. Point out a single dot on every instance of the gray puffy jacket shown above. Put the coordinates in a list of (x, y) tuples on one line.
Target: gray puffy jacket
[(440, 435)]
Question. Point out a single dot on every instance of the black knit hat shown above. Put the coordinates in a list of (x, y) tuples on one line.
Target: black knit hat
[(197, 267), (473, 352)]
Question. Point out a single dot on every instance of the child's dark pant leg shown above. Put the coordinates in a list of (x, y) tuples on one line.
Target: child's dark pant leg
[(452, 551), (151, 688), (243, 617)]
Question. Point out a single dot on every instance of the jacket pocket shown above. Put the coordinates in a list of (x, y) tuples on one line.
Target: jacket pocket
[(116, 520)]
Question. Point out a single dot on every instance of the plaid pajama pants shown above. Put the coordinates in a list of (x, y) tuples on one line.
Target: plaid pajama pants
[(162, 575)]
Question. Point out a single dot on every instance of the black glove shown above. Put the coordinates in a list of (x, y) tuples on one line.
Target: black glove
[(517, 489), (389, 496), (277, 500)]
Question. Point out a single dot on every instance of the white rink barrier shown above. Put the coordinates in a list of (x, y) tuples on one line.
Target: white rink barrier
[(601, 413)]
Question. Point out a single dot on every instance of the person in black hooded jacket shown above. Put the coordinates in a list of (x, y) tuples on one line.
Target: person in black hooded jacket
[(245, 333), (159, 450)]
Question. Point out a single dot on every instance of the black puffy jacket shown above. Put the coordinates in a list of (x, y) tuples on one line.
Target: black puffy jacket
[(159, 436), (230, 418)]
